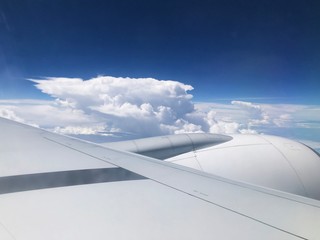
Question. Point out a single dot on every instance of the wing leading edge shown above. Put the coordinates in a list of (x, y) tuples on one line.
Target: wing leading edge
[(64, 188)]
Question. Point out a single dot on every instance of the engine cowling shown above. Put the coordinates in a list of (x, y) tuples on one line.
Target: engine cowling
[(264, 160)]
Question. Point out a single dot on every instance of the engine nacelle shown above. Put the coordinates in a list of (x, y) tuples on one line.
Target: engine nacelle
[(268, 161), (263, 160)]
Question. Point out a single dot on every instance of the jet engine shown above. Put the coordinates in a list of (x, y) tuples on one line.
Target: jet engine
[(264, 160)]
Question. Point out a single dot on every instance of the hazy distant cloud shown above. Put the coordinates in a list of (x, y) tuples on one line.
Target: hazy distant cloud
[(301, 122), (256, 113), (8, 113)]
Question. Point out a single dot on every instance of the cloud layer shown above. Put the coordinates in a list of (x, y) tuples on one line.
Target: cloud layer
[(109, 107)]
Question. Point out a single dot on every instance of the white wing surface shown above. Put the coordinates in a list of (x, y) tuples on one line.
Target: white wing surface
[(56, 187)]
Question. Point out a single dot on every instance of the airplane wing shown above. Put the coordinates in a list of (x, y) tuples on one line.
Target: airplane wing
[(57, 187)]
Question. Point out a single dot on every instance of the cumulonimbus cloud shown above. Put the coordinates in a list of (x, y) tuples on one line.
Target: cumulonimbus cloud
[(135, 105)]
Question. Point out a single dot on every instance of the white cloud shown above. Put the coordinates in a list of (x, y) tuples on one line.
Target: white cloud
[(256, 114), (111, 92), (141, 107)]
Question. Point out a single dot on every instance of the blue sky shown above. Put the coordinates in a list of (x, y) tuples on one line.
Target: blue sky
[(224, 49), (254, 67)]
